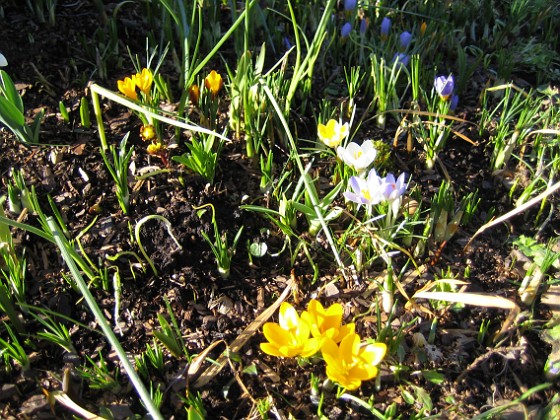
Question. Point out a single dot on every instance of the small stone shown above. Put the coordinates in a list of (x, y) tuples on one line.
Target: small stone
[(7, 391)]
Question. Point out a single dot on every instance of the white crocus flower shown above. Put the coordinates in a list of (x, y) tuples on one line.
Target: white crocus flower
[(356, 156), (3, 61)]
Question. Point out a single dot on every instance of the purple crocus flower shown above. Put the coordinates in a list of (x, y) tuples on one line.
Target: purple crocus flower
[(366, 191), (349, 5), (405, 39), (444, 86), (345, 30), (393, 188), (385, 28), (402, 58)]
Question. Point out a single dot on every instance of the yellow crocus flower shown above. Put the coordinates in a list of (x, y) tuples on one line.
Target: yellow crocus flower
[(147, 132), (350, 363), (214, 82), (155, 149), (128, 87), (194, 94), (326, 322), (144, 80), (332, 133), (289, 337)]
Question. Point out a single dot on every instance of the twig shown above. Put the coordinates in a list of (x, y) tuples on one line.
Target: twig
[(240, 341), (549, 191), (486, 356)]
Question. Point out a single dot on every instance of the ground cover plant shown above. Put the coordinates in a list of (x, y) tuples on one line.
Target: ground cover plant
[(283, 209)]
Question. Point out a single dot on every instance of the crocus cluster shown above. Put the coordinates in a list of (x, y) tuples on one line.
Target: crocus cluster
[(375, 189), (321, 330), (141, 81), (405, 38)]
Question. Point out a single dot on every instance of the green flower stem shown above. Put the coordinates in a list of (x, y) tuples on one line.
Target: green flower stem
[(62, 243), (306, 180)]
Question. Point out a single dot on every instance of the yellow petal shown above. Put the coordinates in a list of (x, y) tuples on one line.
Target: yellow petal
[(311, 347), (349, 347), (270, 349), (345, 330), (288, 318), (329, 351), (374, 353), (128, 87), (343, 379), (363, 372), (144, 80), (276, 335), (214, 82)]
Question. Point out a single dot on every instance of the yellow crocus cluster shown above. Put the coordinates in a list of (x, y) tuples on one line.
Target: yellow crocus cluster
[(143, 81), (321, 330)]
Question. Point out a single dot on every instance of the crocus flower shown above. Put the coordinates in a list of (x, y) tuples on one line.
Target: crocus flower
[(332, 133), (214, 82), (402, 58), (194, 94), (3, 61), (367, 191), (393, 189), (289, 337), (128, 87), (351, 363), (356, 156), (444, 86), (405, 39), (385, 28), (326, 323), (144, 80), (349, 5), (423, 28), (345, 30), (155, 149), (147, 132)]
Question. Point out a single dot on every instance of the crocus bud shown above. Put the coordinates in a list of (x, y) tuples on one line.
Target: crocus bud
[(385, 28), (349, 5), (405, 39), (345, 30)]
